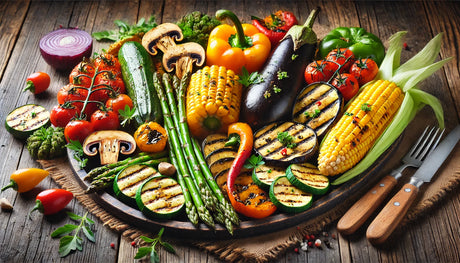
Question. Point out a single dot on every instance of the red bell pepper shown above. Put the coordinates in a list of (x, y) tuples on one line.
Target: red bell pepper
[(254, 210), (275, 26), (52, 201)]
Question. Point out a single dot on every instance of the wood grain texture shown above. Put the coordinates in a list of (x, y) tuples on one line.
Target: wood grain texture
[(433, 238)]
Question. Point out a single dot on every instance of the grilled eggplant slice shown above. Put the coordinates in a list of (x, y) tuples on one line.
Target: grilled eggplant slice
[(285, 143), (26, 119), (265, 174), (128, 180), (289, 198), (218, 156), (221, 180), (307, 178), (160, 197), (318, 106), (213, 142)]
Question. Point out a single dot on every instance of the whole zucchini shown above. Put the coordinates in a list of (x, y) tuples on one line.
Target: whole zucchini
[(137, 69)]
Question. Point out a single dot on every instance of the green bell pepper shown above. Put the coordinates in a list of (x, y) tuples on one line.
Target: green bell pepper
[(362, 43)]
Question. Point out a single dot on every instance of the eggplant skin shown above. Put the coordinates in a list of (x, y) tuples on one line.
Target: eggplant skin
[(273, 98)]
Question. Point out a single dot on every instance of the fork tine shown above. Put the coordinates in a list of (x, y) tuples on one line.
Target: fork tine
[(415, 147), (432, 143)]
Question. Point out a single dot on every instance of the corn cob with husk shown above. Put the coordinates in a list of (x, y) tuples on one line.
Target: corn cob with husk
[(213, 100), (376, 117)]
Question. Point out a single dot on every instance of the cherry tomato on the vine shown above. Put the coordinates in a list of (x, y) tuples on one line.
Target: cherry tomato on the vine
[(37, 82), (342, 57), (77, 130), (364, 70), (119, 102), (346, 84), (60, 115), (320, 70), (71, 92), (82, 74), (107, 62), (105, 120)]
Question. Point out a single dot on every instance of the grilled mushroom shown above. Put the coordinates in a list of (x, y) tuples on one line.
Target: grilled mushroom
[(109, 143)]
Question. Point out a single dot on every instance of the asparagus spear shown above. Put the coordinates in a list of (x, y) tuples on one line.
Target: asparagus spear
[(184, 137), (173, 139)]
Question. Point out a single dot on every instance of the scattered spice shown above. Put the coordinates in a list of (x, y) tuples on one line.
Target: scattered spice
[(133, 243), (318, 243), (406, 47), (318, 103), (112, 245), (284, 152), (296, 250)]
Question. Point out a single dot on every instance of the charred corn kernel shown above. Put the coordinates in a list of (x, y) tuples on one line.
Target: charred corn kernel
[(357, 130), (213, 100)]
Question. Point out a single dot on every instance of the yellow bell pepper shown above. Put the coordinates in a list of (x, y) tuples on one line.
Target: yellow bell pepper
[(242, 45)]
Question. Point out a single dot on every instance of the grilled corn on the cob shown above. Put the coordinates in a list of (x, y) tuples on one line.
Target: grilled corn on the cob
[(213, 100), (364, 120)]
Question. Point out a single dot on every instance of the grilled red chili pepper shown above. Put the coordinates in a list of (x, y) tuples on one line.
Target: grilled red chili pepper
[(259, 210), (275, 26), (52, 201)]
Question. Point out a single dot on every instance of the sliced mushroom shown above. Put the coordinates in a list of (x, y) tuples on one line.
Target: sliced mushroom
[(109, 144), (183, 57), (162, 37)]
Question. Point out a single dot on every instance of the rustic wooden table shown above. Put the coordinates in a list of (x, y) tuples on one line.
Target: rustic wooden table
[(433, 238)]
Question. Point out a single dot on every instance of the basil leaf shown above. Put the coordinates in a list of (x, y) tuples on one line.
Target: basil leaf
[(89, 234), (66, 245), (64, 230), (142, 252)]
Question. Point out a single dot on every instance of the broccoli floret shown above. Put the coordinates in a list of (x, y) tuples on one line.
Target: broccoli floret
[(196, 27)]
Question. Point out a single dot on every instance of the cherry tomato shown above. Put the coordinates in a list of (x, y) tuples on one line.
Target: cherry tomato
[(108, 62), (106, 85), (37, 82), (119, 103), (71, 92), (77, 130), (60, 115), (343, 57), (51, 201), (364, 70), (105, 120), (320, 70), (347, 85), (82, 74)]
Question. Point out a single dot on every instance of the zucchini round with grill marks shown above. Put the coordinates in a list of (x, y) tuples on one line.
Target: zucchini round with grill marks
[(160, 197), (318, 106), (285, 143), (265, 174), (289, 198), (128, 180), (25, 120), (308, 178)]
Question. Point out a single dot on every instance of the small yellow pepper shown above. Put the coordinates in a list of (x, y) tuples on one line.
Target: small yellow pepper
[(151, 137), (26, 179), (242, 45)]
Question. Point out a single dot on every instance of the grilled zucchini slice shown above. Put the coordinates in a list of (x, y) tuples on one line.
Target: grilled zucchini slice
[(128, 180), (265, 174), (160, 197), (285, 143), (318, 106), (289, 198), (308, 178), (25, 120)]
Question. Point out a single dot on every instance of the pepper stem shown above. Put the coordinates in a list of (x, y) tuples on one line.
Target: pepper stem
[(240, 39), (233, 140), (38, 206), (12, 184), (30, 86)]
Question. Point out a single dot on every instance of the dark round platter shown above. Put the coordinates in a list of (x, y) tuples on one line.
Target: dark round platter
[(181, 227)]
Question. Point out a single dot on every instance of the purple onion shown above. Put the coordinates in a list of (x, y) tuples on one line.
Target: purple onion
[(64, 48)]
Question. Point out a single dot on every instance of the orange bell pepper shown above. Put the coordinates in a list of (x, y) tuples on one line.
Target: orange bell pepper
[(249, 209), (242, 45)]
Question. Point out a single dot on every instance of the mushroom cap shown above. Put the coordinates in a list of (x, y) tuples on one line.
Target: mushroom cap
[(190, 50), (153, 37)]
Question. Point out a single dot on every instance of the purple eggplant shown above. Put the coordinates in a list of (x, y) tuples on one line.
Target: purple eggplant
[(273, 98)]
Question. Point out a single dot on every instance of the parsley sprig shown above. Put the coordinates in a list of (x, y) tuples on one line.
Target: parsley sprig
[(78, 152), (126, 30), (69, 243), (253, 162), (150, 249), (247, 79)]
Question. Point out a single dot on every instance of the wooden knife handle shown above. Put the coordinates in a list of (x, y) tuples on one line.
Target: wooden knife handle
[(391, 215), (364, 207)]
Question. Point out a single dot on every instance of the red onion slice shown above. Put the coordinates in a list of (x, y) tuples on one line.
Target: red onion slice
[(64, 48)]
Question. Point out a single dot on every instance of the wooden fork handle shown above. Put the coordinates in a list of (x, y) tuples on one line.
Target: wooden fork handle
[(364, 207), (391, 215)]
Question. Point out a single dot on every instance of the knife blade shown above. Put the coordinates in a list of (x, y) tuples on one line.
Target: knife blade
[(394, 211)]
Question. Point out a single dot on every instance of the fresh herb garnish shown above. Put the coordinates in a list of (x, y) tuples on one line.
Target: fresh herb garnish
[(150, 249), (69, 243), (294, 56), (276, 89), (126, 30), (127, 114), (267, 94), (312, 114), (247, 79), (282, 75), (253, 162), (348, 113), (286, 139), (366, 107), (78, 152)]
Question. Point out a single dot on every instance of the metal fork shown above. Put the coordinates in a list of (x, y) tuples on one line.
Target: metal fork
[(365, 206)]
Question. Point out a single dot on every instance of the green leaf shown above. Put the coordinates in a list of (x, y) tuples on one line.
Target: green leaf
[(154, 257), (89, 221), (253, 162), (392, 58), (247, 79), (147, 239), (168, 247), (67, 244), (63, 230), (89, 234), (142, 252), (160, 233), (74, 216)]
